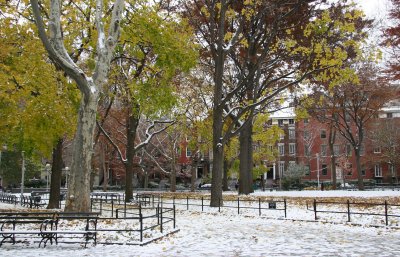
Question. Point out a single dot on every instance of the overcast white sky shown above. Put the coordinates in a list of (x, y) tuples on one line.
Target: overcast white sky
[(374, 8)]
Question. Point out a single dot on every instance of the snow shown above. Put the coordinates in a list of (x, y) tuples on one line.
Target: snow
[(211, 233)]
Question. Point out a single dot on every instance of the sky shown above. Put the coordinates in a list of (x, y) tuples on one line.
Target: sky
[(374, 8)]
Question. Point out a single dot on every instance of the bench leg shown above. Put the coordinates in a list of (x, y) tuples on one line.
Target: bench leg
[(7, 236)]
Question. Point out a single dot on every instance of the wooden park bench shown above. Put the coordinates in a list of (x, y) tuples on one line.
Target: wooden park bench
[(45, 226)]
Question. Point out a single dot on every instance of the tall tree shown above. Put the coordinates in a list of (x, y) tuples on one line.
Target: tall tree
[(154, 50), (351, 106), (78, 198), (258, 49)]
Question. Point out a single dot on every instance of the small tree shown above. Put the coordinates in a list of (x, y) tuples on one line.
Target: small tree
[(293, 175)]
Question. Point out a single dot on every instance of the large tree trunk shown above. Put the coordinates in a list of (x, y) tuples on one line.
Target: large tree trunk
[(78, 199), (246, 159), (225, 176), (56, 174), (133, 123)]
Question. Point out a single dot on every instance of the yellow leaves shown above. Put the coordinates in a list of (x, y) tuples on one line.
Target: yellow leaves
[(228, 36)]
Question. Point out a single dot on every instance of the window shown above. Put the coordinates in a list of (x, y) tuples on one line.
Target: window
[(389, 115), (323, 133), (336, 150), (292, 148), (305, 121), (391, 170), (324, 150), (188, 152), (307, 150), (324, 170), (281, 168), (280, 123), (291, 121), (270, 148), (377, 149), (378, 170), (281, 149), (282, 136), (307, 170), (348, 150), (306, 134), (363, 171), (292, 134), (362, 150)]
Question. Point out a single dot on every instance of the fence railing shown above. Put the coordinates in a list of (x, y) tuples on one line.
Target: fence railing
[(354, 208), (148, 218), (259, 205)]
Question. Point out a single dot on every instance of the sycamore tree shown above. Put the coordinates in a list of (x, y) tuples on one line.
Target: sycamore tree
[(89, 84), (258, 49)]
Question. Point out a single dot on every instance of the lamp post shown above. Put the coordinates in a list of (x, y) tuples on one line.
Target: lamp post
[(66, 176), (23, 177), (48, 167)]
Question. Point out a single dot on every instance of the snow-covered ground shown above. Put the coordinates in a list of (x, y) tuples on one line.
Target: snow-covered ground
[(211, 233)]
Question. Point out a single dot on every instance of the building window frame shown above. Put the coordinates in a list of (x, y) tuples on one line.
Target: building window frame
[(324, 150), (377, 170), (323, 134), (292, 133), (292, 148), (281, 149)]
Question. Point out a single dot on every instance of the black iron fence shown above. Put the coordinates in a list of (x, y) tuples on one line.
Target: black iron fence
[(350, 209), (259, 205)]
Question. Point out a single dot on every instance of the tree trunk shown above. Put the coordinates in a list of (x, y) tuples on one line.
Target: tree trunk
[(193, 178), (133, 123), (225, 177), (56, 174), (78, 199), (359, 174), (172, 177), (246, 159), (332, 138), (104, 166)]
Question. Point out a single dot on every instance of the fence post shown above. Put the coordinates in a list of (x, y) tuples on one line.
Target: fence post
[(285, 207), (238, 205), (112, 208), (348, 210), (161, 218), (386, 213), (158, 213), (101, 205), (173, 200), (116, 213), (174, 217), (219, 205), (187, 202), (125, 208), (141, 223), (202, 203), (315, 209), (259, 207)]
